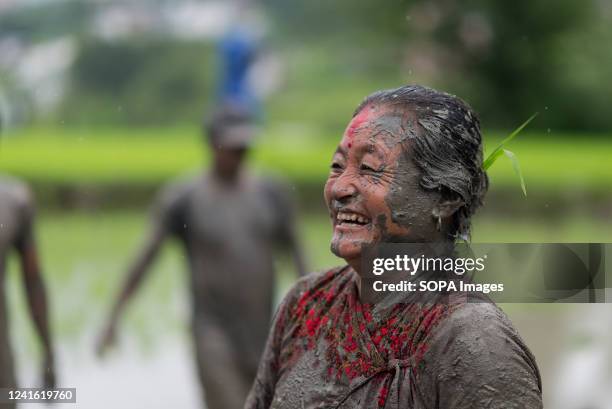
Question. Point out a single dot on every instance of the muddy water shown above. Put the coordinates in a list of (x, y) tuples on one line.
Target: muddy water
[(153, 367), (572, 344), (159, 379)]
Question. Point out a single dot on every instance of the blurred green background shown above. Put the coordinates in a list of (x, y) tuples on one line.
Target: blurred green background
[(101, 104)]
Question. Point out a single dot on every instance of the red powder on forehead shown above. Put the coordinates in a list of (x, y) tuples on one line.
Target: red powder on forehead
[(364, 115), (357, 121)]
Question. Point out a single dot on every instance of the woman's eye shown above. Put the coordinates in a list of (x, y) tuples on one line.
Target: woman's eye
[(368, 168), (336, 166)]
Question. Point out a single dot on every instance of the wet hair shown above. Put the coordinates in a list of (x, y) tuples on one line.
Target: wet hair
[(447, 147), (215, 126)]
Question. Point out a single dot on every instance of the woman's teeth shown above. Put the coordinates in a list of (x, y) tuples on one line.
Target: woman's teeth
[(351, 218)]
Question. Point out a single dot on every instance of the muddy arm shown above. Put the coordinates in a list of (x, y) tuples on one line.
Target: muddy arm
[(477, 360), (138, 270), (36, 297), (167, 215), (136, 273)]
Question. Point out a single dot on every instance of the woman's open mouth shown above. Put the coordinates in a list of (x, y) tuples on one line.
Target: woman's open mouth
[(350, 219)]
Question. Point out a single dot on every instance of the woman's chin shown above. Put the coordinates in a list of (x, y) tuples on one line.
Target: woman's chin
[(348, 251)]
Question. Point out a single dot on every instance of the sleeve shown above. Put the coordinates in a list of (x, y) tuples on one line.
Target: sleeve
[(169, 210), (268, 372), (476, 359)]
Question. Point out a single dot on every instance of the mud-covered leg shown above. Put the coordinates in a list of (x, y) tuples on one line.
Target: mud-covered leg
[(224, 384)]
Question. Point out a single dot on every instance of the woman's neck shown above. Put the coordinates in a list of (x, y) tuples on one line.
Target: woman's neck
[(364, 277)]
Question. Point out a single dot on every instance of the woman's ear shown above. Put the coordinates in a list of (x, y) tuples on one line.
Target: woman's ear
[(447, 207)]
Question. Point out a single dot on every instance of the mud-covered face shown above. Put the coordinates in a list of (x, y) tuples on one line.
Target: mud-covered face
[(228, 161), (373, 192)]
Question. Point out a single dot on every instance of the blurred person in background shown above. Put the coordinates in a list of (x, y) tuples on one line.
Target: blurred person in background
[(17, 233), (229, 222)]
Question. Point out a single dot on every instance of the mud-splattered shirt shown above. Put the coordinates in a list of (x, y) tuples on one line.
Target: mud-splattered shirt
[(229, 235), (328, 350)]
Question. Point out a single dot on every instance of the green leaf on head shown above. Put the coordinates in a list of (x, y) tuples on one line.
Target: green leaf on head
[(500, 150)]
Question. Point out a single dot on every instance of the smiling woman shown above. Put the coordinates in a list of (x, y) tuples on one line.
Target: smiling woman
[(408, 169)]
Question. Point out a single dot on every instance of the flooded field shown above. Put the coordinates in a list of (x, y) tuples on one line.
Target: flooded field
[(84, 257)]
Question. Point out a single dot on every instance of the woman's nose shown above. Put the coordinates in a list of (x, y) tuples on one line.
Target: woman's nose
[(344, 188)]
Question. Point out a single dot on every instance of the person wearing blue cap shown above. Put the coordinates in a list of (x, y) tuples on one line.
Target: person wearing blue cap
[(228, 222)]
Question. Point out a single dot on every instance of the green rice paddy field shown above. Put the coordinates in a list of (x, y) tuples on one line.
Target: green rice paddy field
[(147, 156)]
